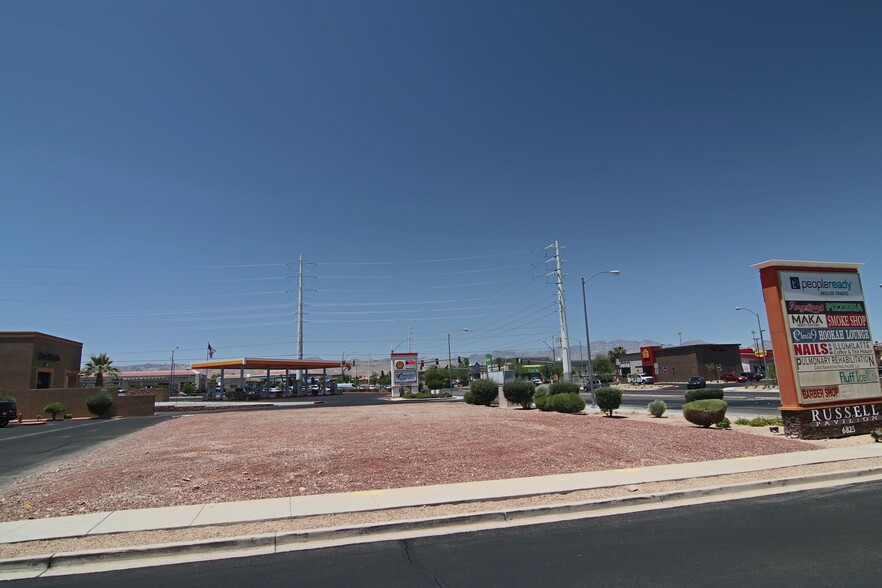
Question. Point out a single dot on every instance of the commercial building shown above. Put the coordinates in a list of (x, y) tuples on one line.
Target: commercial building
[(30, 360), (679, 363)]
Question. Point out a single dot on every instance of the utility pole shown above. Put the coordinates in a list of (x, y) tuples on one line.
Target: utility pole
[(562, 310), (300, 319)]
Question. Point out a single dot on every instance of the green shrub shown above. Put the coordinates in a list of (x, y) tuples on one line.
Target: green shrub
[(68, 416), (520, 392), (568, 403), (705, 413), (703, 394), (563, 388), (761, 422), (468, 397), (608, 399), (54, 409), (657, 408), (484, 391), (99, 404), (425, 394), (6, 397), (540, 397), (724, 424)]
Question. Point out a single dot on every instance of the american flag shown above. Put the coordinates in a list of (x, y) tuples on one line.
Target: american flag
[(211, 351)]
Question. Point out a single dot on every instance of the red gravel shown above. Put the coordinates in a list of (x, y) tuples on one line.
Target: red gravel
[(240, 456)]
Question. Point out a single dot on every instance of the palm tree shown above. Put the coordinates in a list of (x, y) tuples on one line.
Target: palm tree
[(97, 366), (616, 353)]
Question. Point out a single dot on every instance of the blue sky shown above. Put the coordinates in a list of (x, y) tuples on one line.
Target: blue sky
[(164, 164)]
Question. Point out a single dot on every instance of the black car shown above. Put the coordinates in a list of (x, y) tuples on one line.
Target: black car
[(752, 376), (695, 382)]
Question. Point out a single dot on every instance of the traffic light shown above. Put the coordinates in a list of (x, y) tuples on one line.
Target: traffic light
[(458, 359), (436, 362), (421, 364)]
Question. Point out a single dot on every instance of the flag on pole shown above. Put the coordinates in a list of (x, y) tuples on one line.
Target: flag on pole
[(211, 351)]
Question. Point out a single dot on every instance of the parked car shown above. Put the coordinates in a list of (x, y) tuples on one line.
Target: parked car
[(730, 377), (696, 382), (8, 412), (752, 376), (641, 379)]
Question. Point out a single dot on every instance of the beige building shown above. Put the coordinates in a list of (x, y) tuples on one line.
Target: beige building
[(31, 360)]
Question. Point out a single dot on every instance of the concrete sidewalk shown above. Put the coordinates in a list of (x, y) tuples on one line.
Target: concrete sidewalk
[(177, 517)]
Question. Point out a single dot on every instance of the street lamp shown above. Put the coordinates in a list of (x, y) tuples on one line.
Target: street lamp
[(614, 272), (450, 360), (762, 342)]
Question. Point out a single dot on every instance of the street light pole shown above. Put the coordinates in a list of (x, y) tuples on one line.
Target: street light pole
[(614, 272), (450, 361), (762, 343)]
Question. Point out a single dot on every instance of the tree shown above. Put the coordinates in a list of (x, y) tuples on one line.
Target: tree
[(615, 353), (97, 366), (434, 378), (602, 366)]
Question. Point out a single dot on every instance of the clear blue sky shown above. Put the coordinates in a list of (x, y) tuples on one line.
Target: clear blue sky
[(164, 164)]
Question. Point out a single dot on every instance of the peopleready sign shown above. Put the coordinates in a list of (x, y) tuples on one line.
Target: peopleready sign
[(821, 286), (828, 336)]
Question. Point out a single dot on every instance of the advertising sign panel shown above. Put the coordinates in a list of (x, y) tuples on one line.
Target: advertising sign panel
[(829, 336), (405, 370)]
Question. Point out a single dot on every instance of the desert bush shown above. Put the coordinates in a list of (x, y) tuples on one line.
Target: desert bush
[(703, 394), (99, 404), (425, 394), (520, 392), (54, 409), (468, 397), (540, 397), (608, 399), (568, 403), (484, 392), (68, 416), (563, 388), (705, 413), (6, 397), (657, 408), (724, 424), (761, 422)]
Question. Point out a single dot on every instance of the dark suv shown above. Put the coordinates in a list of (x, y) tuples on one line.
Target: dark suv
[(695, 382), (8, 411), (752, 376)]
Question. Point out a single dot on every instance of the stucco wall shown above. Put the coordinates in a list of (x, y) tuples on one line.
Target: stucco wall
[(30, 403)]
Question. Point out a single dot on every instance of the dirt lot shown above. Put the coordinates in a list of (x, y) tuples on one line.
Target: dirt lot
[(239, 456), (232, 456)]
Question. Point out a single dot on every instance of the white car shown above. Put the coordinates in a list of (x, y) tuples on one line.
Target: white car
[(641, 379)]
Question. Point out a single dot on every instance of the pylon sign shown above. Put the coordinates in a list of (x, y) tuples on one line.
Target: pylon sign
[(827, 371), (405, 371)]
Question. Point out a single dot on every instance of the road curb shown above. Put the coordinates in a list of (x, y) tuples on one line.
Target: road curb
[(146, 555)]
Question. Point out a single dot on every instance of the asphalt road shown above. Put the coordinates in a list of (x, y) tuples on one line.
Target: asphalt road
[(31, 447), (744, 400), (812, 538)]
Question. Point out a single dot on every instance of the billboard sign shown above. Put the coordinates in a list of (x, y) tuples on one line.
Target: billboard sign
[(828, 336)]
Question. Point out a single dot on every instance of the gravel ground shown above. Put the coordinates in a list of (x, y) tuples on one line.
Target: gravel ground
[(241, 456)]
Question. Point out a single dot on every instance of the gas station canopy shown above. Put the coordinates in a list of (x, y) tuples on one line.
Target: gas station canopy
[(264, 364)]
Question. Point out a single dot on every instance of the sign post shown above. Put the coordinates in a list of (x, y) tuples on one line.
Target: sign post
[(827, 371), (405, 373)]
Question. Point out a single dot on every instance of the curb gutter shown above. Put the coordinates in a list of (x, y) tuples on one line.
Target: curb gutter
[(146, 555)]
